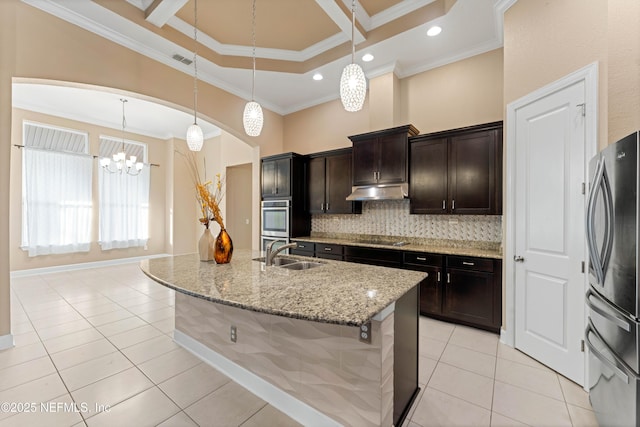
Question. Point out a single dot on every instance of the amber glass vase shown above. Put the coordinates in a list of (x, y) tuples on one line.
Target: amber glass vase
[(223, 248)]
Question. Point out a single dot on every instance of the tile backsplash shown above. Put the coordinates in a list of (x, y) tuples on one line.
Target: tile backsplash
[(392, 218)]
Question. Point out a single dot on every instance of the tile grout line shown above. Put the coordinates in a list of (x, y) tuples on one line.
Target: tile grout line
[(106, 338)]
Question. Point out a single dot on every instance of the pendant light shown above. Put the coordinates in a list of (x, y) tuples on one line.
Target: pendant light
[(353, 84), (195, 138), (252, 119), (120, 163)]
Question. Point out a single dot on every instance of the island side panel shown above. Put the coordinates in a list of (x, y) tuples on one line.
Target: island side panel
[(321, 364)]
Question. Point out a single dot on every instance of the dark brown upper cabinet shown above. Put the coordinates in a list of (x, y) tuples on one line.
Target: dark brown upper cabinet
[(457, 171), (283, 176), (381, 157), (330, 183)]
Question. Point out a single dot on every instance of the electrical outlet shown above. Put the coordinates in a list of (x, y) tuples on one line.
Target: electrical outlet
[(365, 333), (234, 334)]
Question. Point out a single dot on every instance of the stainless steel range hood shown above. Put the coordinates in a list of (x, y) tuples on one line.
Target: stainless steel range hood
[(379, 192)]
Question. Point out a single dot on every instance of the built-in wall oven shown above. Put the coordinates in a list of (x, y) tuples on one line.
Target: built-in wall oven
[(276, 218), (276, 223)]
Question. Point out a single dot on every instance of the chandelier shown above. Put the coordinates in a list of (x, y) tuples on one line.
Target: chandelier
[(120, 163), (353, 84), (252, 119), (195, 138)]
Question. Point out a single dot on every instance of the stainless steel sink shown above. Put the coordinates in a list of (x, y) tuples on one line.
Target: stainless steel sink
[(302, 265), (291, 263), (279, 260)]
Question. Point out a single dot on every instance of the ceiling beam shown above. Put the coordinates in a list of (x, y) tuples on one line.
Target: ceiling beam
[(160, 11), (343, 21)]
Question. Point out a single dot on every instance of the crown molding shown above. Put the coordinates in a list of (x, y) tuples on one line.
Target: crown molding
[(476, 50), (499, 9), (265, 53)]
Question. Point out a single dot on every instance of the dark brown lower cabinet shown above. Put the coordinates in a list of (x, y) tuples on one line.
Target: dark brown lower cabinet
[(431, 286), (329, 251), (472, 292)]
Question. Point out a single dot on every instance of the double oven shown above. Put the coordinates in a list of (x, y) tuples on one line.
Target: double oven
[(276, 223)]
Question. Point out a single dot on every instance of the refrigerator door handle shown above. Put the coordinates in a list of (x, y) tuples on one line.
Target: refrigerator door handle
[(609, 230), (621, 323), (617, 365), (591, 235)]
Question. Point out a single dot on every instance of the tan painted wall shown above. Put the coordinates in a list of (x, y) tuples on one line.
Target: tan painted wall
[(323, 127), (384, 102), (7, 55), (49, 48), (546, 40), (460, 94), (156, 154), (623, 68)]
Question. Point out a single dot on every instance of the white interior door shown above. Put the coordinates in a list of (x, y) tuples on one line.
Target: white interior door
[(549, 229)]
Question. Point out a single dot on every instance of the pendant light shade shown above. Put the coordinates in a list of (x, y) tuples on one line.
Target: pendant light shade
[(252, 118), (353, 83), (195, 138), (353, 87)]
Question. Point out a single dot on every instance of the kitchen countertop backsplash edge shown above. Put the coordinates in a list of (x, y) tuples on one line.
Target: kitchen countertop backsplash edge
[(479, 249)]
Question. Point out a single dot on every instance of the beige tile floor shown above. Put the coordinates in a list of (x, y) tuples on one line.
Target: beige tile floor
[(94, 347)]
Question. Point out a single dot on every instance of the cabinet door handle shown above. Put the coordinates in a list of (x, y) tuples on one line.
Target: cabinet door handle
[(444, 205), (453, 204), (327, 207), (421, 258), (468, 263), (322, 206), (374, 175), (301, 246), (448, 278), (327, 249), (438, 277)]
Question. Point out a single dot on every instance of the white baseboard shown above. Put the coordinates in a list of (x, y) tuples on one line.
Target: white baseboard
[(296, 409), (6, 342), (506, 338), (81, 266)]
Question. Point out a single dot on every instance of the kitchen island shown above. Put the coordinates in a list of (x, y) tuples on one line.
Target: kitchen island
[(335, 344)]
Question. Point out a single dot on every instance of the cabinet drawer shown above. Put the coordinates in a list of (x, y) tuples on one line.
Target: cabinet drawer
[(422, 259), (323, 248), (470, 263), (307, 247), (373, 256), (329, 255)]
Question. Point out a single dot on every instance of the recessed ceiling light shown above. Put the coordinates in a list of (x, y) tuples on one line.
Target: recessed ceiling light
[(434, 31), (317, 77), (367, 57)]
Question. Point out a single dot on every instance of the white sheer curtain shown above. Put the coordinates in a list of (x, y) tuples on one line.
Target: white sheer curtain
[(124, 209), (56, 202)]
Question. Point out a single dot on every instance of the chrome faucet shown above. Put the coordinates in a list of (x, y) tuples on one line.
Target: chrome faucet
[(271, 254)]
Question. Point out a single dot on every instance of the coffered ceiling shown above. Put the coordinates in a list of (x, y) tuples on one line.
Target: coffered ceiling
[(295, 39)]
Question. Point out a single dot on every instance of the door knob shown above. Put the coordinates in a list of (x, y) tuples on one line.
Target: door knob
[(517, 258)]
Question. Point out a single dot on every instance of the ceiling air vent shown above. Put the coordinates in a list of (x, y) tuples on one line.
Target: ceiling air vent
[(182, 59)]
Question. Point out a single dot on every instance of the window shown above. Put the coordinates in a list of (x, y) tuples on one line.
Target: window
[(56, 190), (124, 199)]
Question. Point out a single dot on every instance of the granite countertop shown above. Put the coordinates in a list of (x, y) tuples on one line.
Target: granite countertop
[(336, 292), (446, 247)]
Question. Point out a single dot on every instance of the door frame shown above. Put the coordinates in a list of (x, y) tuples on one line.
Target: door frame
[(588, 74)]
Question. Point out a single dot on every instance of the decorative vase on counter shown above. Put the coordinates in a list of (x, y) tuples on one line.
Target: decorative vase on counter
[(205, 246), (223, 247)]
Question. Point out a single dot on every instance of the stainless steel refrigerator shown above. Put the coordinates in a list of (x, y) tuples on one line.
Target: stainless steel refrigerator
[(613, 298)]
